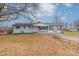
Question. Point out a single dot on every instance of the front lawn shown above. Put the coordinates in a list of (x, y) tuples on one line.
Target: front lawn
[(71, 33), (13, 38), (36, 45)]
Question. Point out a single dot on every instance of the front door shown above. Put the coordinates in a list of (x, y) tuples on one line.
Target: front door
[(43, 28)]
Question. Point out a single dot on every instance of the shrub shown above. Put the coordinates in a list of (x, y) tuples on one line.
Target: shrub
[(9, 29), (56, 36)]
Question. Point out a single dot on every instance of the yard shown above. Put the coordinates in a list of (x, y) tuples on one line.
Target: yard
[(36, 44), (71, 33), (14, 38)]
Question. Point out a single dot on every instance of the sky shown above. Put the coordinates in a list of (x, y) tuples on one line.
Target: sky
[(68, 12)]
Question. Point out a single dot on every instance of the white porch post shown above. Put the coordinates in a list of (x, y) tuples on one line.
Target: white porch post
[(48, 28), (36, 27), (52, 29)]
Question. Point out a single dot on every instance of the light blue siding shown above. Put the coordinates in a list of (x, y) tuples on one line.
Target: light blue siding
[(51, 29), (23, 30)]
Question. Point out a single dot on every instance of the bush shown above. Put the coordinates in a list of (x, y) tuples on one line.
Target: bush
[(9, 31), (56, 36)]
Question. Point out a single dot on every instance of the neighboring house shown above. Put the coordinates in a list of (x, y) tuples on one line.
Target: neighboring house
[(76, 25), (37, 27)]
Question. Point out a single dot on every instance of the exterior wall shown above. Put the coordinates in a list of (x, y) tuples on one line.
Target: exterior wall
[(23, 30), (52, 29)]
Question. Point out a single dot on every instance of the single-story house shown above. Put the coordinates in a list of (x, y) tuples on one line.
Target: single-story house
[(37, 27)]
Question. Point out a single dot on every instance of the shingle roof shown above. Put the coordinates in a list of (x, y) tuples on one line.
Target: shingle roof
[(39, 23), (22, 24)]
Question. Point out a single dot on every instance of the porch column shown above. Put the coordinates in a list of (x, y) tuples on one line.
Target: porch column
[(48, 28), (52, 28), (36, 27)]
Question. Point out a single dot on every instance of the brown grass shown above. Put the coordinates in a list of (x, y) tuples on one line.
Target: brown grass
[(37, 44), (71, 33)]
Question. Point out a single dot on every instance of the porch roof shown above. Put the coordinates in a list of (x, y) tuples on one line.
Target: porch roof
[(37, 24), (40, 24), (47, 24)]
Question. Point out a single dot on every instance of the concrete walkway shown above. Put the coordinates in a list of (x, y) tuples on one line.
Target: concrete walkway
[(69, 37), (62, 36)]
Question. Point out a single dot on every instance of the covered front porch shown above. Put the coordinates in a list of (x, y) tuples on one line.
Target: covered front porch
[(48, 28)]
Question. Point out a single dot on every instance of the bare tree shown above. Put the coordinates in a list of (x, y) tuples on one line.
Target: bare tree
[(11, 11)]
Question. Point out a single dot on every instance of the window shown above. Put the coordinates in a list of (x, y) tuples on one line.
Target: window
[(43, 27), (24, 27), (17, 27)]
